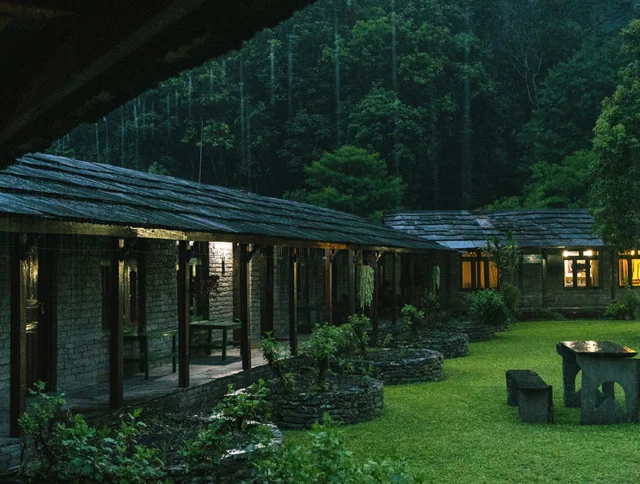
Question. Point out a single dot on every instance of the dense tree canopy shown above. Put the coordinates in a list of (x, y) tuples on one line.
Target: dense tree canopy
[(352, 180), (461, 99), (617, 141)]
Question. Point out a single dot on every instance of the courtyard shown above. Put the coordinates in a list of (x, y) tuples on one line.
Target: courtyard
[(461, 430)]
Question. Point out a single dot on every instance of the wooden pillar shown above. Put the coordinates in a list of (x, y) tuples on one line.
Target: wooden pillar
[(614, 273), (141, 259), (18, 336), (266, 296), (293, 300), (183, 313), (375, 321), (394, 283), (116, 361), (245, 328), (351, 281), (328, 290)]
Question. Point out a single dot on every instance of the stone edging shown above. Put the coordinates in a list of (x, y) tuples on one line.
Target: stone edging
[(412, 365)]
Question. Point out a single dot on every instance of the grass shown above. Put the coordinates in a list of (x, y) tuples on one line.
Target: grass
[(461, 429)]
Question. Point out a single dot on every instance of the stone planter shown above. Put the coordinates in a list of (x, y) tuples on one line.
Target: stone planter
[(475, 332), (397, 366), (235, 466), (355, 399), (451, 345)]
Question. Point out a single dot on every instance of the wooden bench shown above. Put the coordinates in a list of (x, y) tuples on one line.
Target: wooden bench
[(143, 357), (532, 396)]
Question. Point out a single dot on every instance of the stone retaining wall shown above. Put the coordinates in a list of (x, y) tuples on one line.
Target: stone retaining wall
[(475, 332), (355, 404), (406, 365), (451, 345)]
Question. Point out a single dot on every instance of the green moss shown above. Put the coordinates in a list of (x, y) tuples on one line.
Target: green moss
[(461, 429)]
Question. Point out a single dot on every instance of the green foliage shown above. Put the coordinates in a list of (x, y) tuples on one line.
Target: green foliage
[(358, 324), (510, 294), (412, 318), (432, 308), (236, 417), (64, 447), (616, 142), (505, 254), (487, 308), (276, 357), (326, 460), (632, 301), (617, 310), (323, 346), (351, 180)]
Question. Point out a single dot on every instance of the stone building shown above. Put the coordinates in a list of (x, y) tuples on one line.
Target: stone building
[(562, 265), (102, 263)]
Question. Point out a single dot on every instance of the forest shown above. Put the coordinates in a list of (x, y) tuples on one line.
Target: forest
[(467, 103)]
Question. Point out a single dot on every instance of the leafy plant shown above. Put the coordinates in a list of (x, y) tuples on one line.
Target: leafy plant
[(412, 318), (359, 323), (617, 310), (326, 460), (632, 302), (65, 447), (487, 308), (505, 254), (511, 296), (322, 347), (431, 307), (240, 407), (276, 357)]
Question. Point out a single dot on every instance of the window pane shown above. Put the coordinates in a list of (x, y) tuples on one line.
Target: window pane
[(623, 272), (466, 274), (480, 275), (581, 270), (571, 253), (469, 254), (493, 275), (635, 274), (568, 273), (595, 272)]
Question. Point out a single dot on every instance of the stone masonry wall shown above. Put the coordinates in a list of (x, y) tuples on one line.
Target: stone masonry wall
[(82, 347), (281, 292), (5, 334), (256, 268)]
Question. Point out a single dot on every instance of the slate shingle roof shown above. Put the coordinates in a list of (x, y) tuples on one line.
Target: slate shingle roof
[(57, 188), (465, 230)]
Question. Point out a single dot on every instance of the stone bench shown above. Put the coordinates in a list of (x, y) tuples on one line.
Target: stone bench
[(532, 396)]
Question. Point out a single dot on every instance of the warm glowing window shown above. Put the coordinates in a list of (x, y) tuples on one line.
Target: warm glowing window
[(581, 268), (478, 272), (629, 268)]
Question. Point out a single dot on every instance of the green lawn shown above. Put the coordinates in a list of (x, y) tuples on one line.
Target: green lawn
[(461, 429)]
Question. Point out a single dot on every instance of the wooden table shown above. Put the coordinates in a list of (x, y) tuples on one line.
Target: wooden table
[(143, 337), (603, 363), (210, 326)]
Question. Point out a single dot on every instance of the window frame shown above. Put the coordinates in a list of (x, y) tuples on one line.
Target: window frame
[(596, 256), (629, 258), (476, 258)]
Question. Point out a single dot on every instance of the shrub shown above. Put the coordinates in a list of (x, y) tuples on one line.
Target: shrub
[(487, 308), (511, 297), (358, 325), (276, 357), (412, 318), (326, 460), (431, 307), (632, 301), (617, 310), (239, 414), (322, 347), (66, 448)]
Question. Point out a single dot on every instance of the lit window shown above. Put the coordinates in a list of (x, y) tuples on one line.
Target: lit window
[(629, 268), (478, 272), (581, 268)]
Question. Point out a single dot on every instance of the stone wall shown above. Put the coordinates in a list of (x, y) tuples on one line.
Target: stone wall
[(5, 335), (281, 292), (398, 366), (256, 271), (82, 347), (354, 403)]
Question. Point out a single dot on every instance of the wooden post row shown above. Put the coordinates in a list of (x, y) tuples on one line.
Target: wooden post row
[(116, 343), (328, 290), (245, 329)]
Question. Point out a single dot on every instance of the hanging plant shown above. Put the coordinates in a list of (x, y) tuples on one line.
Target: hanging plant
[(366, 286), (207, 286)]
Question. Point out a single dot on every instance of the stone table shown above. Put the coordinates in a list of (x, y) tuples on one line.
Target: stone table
[(602, 363)]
